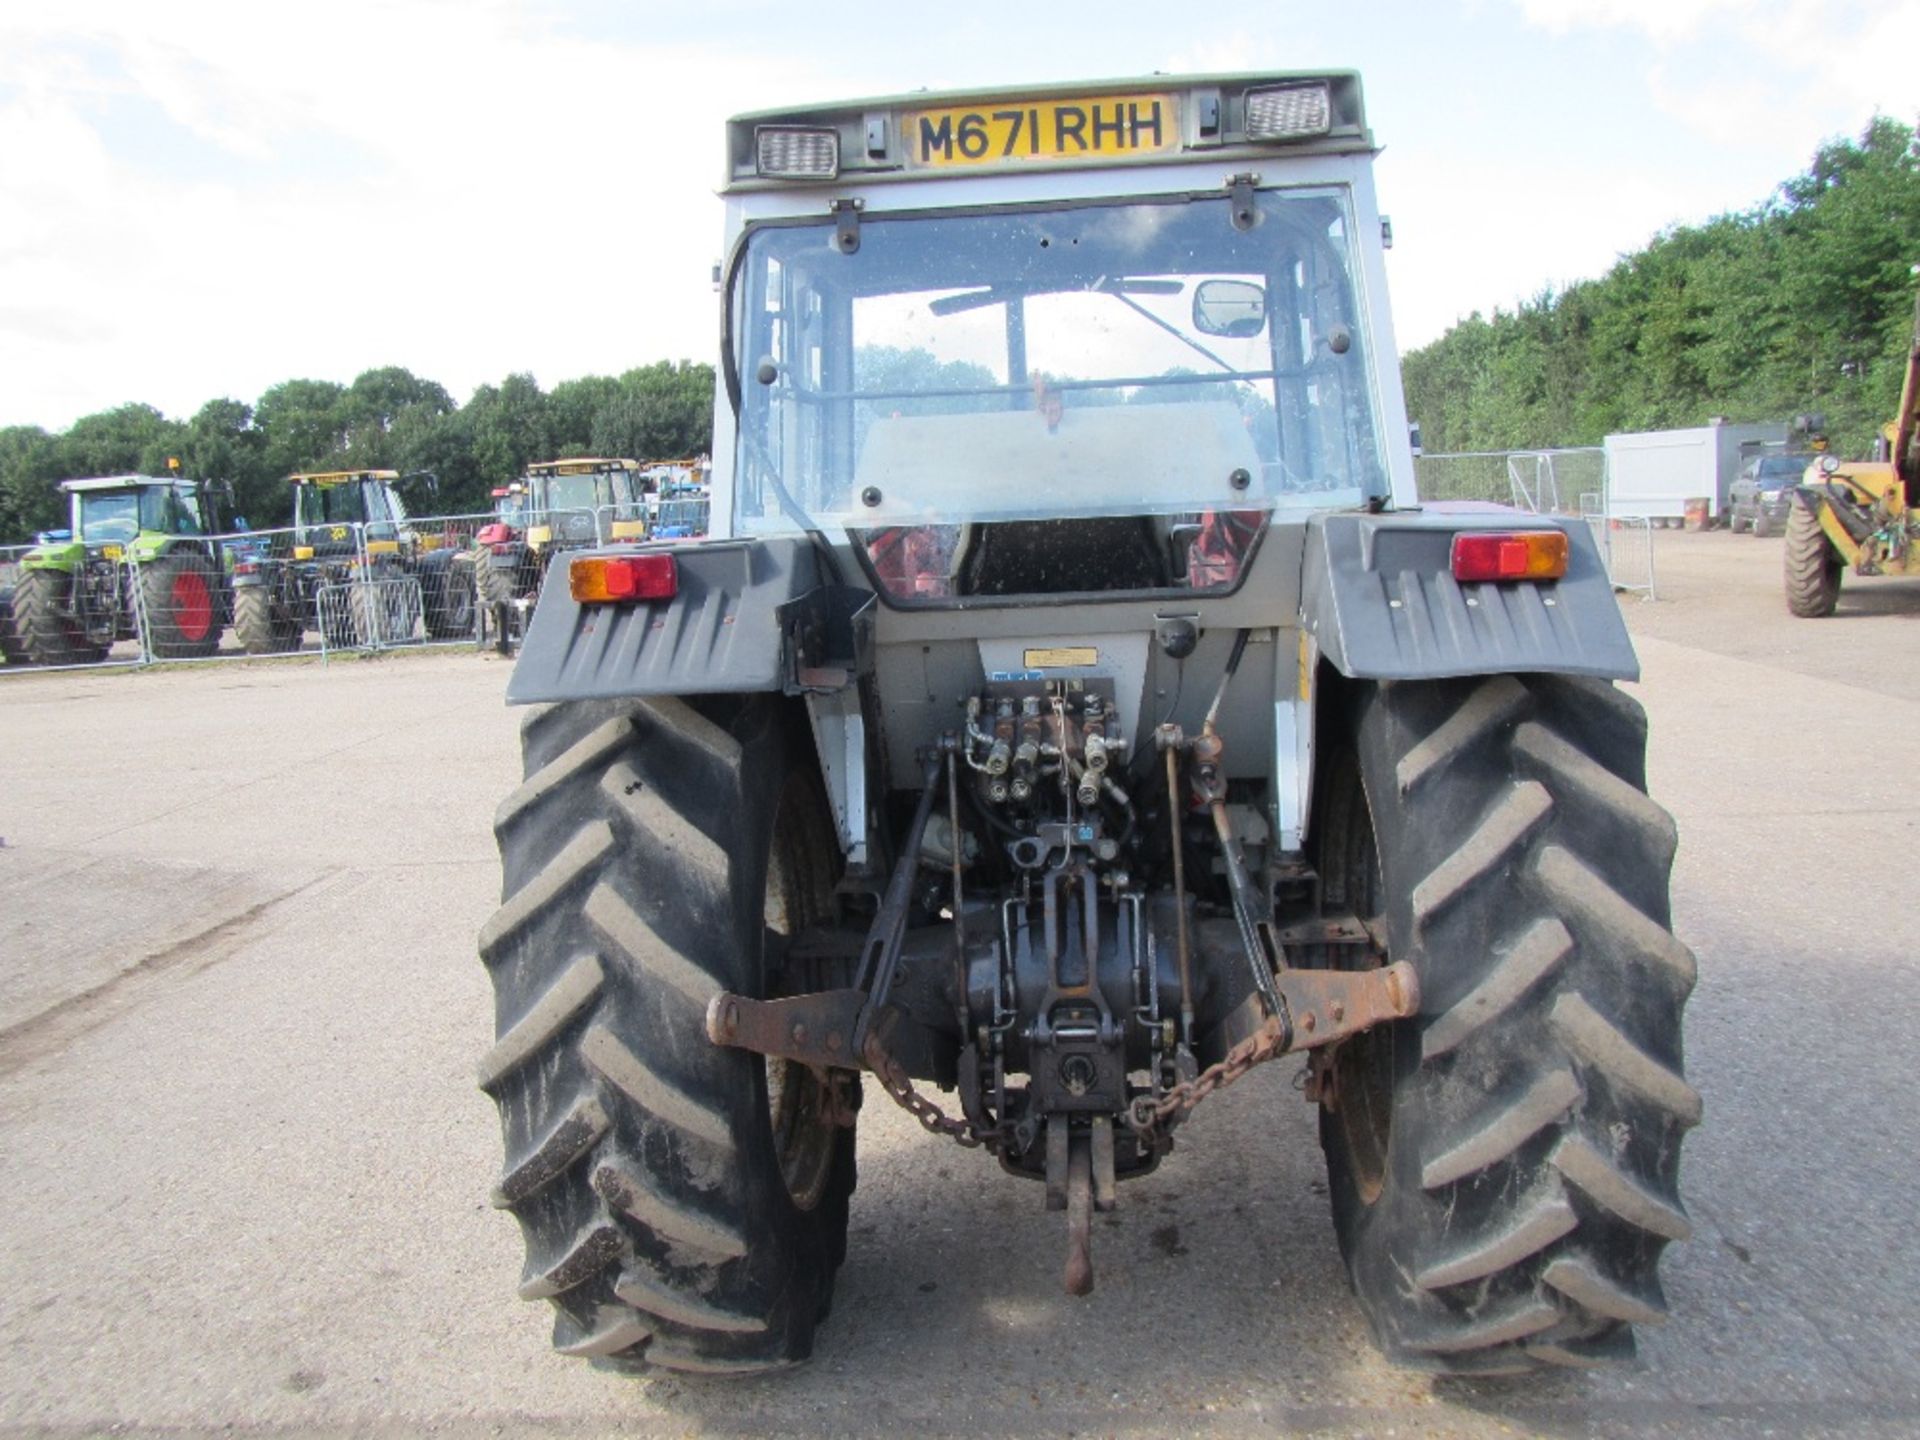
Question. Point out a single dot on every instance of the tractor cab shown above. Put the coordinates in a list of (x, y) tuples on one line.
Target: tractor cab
[(111, 512), (328, 505), (1100, 342), (575, 502), (509, 502), (557, 505)]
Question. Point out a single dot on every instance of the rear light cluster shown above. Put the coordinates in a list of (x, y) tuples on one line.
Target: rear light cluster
[(1512, 555), (607, 579)]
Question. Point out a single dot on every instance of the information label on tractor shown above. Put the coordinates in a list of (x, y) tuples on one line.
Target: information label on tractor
[(1118, 127), (1062, 657)]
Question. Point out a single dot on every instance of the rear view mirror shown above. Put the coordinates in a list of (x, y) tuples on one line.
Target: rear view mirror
[(1236, 309)]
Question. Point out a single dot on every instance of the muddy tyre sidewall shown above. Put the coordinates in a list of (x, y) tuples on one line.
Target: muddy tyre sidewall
[(682, 803)]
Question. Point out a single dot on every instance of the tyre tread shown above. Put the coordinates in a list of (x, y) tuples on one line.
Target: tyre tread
[(1812, 567), (1532, 1182)]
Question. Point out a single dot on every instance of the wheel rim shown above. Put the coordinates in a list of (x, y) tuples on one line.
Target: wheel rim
[(1364, 1064), (192, 605), (799, 1111)]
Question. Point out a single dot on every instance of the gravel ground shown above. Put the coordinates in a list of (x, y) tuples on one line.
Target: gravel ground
[(246, 1164)]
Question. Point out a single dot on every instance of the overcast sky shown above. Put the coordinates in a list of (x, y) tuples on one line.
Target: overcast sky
[(202, 198)]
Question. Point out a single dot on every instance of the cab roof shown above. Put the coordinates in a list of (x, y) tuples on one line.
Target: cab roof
[(579, 465), (1209, 121), (120, 482), (342, 477)]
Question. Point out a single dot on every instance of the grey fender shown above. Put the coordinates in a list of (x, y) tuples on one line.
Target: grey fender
[(1379, 599), (749, 616)]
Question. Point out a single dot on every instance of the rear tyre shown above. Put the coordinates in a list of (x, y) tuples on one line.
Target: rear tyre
[(1504, 1166), (338, 617), (12, 649), (385, 610), (180, 596), (446, 591), (1813, 566), (496, 582), (684, 1206), (48, 632), (258, 627)]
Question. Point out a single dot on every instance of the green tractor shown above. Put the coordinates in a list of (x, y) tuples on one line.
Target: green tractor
[(351, 539), (135, 557)]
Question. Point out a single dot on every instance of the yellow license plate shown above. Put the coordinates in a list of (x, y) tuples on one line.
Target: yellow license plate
[(112, 552), (1113, 127)]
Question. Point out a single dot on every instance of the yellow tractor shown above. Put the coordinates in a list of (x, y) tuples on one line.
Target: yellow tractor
[(1858, 515)]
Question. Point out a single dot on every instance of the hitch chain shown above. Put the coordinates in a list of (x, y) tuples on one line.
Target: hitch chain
[(1146, 1116), (1266, 1043), (894, 1079)]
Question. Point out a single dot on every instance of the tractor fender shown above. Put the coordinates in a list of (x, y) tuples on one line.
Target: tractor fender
[(747, 617), (1379, 599), (1842, 504)]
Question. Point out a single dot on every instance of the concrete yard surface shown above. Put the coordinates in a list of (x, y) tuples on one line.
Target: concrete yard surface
[(247, 1166)]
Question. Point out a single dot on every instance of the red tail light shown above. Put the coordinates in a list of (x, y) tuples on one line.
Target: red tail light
[(602, 579), (1514, 555)]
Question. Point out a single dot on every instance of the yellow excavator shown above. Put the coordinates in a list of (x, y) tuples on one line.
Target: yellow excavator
[(1861, 515)]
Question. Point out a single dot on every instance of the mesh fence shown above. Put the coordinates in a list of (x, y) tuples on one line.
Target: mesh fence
[(311, 589), (60, 609), (442, 564), (11, 650), (1570, 483), (681, 519), (1542, 482)]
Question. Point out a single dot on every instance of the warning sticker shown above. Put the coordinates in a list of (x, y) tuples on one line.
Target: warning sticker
[(1062, 657)]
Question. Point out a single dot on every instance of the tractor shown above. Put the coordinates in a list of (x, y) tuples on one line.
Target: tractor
[(1073, 708), (134, 561), (1858, 515), (557, 505), (345, 569)]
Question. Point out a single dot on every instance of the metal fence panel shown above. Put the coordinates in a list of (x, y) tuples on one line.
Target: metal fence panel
[(66, 620), (12, 652), (682, 519), (1572, 483), (623, 524), (442, 560)]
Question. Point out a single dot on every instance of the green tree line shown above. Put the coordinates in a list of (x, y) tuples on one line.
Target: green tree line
[(1802, 303), (386, 419)]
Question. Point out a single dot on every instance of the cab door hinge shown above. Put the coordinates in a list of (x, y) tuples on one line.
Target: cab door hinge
[(846, 214), (1240, 191)]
